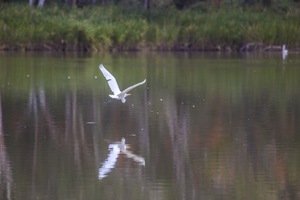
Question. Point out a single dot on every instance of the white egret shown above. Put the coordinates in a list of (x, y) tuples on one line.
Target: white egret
[(284, 52), (117, 94)]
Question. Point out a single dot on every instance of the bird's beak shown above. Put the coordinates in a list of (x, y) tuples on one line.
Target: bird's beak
[(128, 94)]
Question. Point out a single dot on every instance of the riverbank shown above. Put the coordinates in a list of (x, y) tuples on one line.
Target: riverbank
[(112, 28)]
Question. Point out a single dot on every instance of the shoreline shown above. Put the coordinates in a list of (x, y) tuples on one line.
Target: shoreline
[(250, 47)]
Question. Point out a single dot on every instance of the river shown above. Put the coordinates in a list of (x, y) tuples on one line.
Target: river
[(203, 126)]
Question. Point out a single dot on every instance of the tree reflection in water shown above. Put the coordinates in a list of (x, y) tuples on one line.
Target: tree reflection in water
[(6, 181), (226, 132)]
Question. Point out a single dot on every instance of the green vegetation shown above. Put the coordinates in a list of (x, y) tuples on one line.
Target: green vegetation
[(110, 27)]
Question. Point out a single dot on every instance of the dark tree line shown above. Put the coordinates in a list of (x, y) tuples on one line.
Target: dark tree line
[(179, 4)]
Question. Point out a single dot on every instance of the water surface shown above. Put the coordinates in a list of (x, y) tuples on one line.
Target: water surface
[(204, 126)]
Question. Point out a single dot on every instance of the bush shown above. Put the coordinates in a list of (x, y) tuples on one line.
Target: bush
[(113, 27)]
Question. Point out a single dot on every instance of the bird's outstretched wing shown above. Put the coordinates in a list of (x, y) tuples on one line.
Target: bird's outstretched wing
[(110, 80), (133, 86)]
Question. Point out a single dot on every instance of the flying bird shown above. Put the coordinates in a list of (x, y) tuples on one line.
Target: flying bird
[(117, 94)]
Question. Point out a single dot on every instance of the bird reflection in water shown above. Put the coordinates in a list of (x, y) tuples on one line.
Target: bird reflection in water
[(115, 149)]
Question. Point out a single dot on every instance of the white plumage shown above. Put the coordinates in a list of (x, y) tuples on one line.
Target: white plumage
[(284, 52), (117, 94)]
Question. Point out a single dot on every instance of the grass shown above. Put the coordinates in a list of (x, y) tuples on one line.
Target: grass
[(119, 28)]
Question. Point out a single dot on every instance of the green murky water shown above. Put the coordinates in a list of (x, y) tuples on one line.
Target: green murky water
[(204, 126)]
